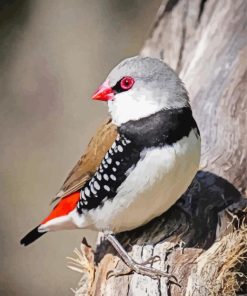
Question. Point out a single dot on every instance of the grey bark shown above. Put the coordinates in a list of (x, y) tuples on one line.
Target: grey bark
[(202, 238)]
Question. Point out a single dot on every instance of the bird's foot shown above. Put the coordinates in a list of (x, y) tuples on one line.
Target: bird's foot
[(144, 270), (133, 266), (130, 270), (151, 260)]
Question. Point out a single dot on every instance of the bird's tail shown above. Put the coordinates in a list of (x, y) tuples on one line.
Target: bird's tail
[(31, 236), (58, 219)]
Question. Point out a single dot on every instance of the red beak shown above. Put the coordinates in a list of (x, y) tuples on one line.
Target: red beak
[(104, 92)]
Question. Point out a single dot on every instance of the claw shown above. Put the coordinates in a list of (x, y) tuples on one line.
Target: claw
[(118, 273), (151, 260)]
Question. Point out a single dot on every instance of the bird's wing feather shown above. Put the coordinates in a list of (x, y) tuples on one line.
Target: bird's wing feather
[(88, 163)]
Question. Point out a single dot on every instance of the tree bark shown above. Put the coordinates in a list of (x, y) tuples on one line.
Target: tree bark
[(202, 239)]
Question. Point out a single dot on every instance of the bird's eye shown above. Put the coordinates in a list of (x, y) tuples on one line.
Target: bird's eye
[(126, 82)]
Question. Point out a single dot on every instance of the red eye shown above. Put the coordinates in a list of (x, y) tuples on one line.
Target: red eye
[(127, 82)]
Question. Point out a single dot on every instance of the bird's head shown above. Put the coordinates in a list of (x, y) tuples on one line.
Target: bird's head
[(139, 87)]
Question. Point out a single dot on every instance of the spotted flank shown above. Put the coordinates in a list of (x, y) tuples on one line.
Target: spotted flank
[(112, 171)]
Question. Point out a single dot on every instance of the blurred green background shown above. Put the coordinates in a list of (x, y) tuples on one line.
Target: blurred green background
[(53, 55)]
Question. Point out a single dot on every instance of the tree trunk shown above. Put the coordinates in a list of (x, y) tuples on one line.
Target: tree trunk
[(202, 239)]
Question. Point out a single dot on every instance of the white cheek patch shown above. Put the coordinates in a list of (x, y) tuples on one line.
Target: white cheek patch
[(127, 106)]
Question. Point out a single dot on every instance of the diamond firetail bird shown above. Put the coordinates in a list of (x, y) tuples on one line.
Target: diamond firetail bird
[(138, 163)]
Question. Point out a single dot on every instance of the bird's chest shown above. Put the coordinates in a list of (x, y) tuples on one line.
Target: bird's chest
[(151, 187)]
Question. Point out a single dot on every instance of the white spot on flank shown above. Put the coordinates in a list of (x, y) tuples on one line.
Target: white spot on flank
[(114, 169), (87, 192), (113, 177), (117, 163), (107, 188), (82, 196), (106, 177), (111, 152), (98, 176), (105, 166), (120, 148), (109, 160), (96, 185), (92, 189)]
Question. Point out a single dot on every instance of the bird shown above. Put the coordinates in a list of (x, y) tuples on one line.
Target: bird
[(139, 162)]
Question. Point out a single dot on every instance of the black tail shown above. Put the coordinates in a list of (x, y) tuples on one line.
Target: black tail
[(31, 236)]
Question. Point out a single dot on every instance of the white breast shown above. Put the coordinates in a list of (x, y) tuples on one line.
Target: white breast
[(152, 187)]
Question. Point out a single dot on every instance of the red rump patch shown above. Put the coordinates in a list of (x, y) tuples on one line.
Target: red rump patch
[(65, 205)]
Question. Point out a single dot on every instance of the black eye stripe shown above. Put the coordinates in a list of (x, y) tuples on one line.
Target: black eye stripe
[(117, 87)]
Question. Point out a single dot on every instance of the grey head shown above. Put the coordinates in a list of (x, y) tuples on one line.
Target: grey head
[(151, 86)]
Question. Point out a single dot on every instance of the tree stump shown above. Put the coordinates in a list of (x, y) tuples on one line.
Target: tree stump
[(202, 239)]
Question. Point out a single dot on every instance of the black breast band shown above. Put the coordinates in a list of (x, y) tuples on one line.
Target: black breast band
[(161, 128)]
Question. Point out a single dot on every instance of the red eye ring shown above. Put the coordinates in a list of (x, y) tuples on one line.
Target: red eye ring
[(127, 82)]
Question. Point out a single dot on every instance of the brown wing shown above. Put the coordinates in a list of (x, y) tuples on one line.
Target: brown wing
[(88, 163)]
